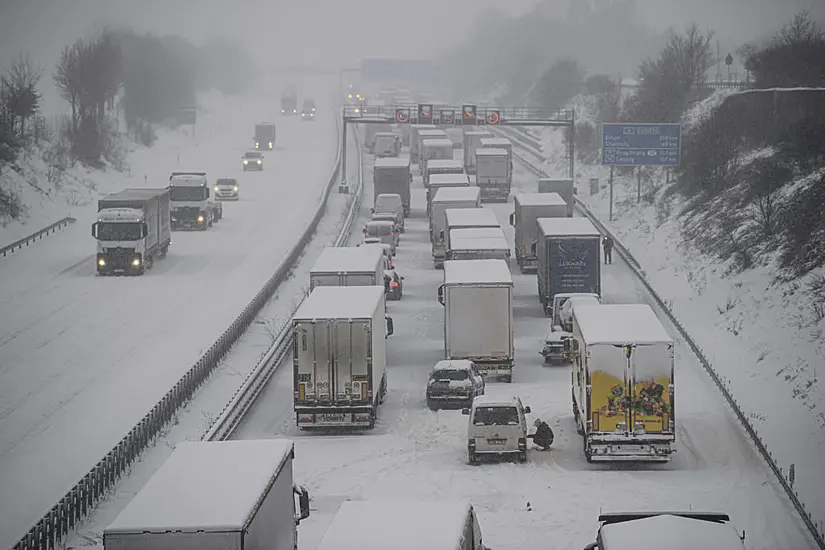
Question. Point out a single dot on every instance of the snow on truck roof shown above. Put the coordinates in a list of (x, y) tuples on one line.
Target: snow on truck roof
[(439, 142), (212, 486), (491, 152), (477, 271), (478, 217), (476, 233), (445, 163), (559, 227), (391, 162), (449, 179), (478, 243), (539, 199), (681, 533), (431, 132), (135, 194), (341, 302), (493, 141), (348, 259), (415, 525), (450, 194), (620, 324)]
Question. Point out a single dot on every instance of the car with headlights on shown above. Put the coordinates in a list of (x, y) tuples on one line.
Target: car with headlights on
[(227, 189), (253, 160)]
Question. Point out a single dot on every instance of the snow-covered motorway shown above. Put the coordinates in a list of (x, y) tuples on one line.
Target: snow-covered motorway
[(554, 500), (83, 358)]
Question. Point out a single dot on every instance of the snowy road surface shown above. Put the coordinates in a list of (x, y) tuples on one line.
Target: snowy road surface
[(83, 358), (553, 501)]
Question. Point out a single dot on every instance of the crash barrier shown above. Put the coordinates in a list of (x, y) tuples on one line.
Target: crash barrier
[(81, 499), (233, 413), (722, 384), (36, 236)]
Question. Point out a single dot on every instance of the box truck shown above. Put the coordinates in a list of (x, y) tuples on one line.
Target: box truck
[(339, 357), (500, 143), (437, 181), (623, 391), (472, 141), (467, 218), (477, 296), (528, 207), (442, 166), (478, 243), (564, 187), (567, 255), (653, 530), (414, 130), (493, 174), (216, 494), (264, 136), (132, 229), (393, 175), (424, 135), (435, 149), (348, 266), (452, 198)]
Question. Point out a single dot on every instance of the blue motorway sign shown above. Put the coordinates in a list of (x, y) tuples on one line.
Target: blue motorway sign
[(641, 144)]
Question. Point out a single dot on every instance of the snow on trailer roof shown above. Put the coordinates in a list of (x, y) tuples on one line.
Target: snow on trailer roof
[(435, 132), (471, 217), (539, 199), (477, 271), (445, 163), (478, 132), (490, 152), (620, 324), (450, 194), (493, 141), (481, 243), (348, 259), (449, 179), (681, 533), (391, 162), (212, 486), (416, 525), (438, 142), (574, 227), (476, 233), (135, 194), (341, 302)]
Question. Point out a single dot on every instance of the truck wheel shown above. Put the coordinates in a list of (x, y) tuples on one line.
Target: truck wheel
[(164, 251), (522, 457), (432, 406), (471, 458)]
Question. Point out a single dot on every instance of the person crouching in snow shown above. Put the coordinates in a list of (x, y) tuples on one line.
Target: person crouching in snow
[(543, 437)]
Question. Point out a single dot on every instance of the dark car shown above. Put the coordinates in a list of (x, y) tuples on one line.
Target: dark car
[(453, 384), (393, 285)]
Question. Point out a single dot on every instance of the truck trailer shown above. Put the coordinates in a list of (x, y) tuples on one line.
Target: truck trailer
[(500, 143), (493, 174), (564, 187), (438, 181), (528, 207), (393, 175), (623, 390), (442, 166), (478, 243), (435, 149), (339, 357), (452, 198), (348, 266), (568, 258), (467, 218), (224, 494), (132, 229), (477, 296), (424, 135), (192, 205), (472, 142), (414, 131)]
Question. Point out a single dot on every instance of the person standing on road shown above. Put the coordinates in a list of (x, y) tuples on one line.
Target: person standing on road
[(607, 242)]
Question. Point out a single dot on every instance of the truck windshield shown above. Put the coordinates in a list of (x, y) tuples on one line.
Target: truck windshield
[(495, 416), (118, 231), (187, 193), (450, 374)]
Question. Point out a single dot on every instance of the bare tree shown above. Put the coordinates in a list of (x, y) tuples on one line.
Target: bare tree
[(765, 178), (21, 96), (67, 78)]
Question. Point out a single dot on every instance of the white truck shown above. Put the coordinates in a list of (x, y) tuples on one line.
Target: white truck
[(414, 130), (477, 296), (404, 525), (339, 357), (472, 142), (192, 205), (348, 266), (448, 198), (442, 166), (227, 494), (132, 229), (435, 149), (623, 391), (478, 243), (500, 143), (493, 174), (467, 218), (528, 207), (424, 135), (565, 189), (392, 175), (656, 530), (437, 181)]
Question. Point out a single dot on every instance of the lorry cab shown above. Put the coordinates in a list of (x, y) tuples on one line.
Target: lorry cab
[(384, 230), (191, 205), (497, 427), (253, 160), (308, 110), (386, 144), (227, 189), (676, 530)]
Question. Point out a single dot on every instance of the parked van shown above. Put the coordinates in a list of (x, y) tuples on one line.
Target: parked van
[(497, 427), (384, 230), (390, 202)]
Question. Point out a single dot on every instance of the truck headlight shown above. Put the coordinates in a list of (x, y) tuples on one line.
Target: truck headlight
[(270, 145), (101, 262), (259, 162), (217, 189), (200, 219), (136, 262), (235, 188), (256, 145), (246, 162)]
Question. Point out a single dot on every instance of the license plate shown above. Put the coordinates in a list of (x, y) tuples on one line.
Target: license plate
[(496, 441), (331, 418)]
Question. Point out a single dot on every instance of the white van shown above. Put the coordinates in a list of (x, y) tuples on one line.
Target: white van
[(390, 202), (384, 230), (497, 427)]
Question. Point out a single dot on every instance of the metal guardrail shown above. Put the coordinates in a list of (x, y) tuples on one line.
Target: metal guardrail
[(81, 499), (36, 236), (523, 139), (761, 446), (233, 414)]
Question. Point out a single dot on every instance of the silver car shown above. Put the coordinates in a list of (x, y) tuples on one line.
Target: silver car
[(253, 160), (226, 189)]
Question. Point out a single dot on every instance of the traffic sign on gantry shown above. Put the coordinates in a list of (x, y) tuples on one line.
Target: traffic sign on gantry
[(646, 144)]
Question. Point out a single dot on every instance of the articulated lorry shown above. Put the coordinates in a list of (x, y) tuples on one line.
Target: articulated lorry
[(528, 207), (478, 243), (439, 181), (565, 189), (493, 174), (339, 357), (393, 175), (623, 390), (264, 136), (472, 142), (435, 149), (413, 139), (442, 166), (348, 266), (192, 205), (132, 229), (568, 258), (467, 218), (500, 143), (217, 494), (448, 198), (477, 296), (425, 135)]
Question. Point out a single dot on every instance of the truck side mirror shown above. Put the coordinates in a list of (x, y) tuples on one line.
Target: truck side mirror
[(592, 546), (441, 295), (465, 412), (94, 230), (372, 210), (441, 234), (527, 410), (207, 193), (575, 191), (513, 219), (533, 247), (390, 326), (144, 228)]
